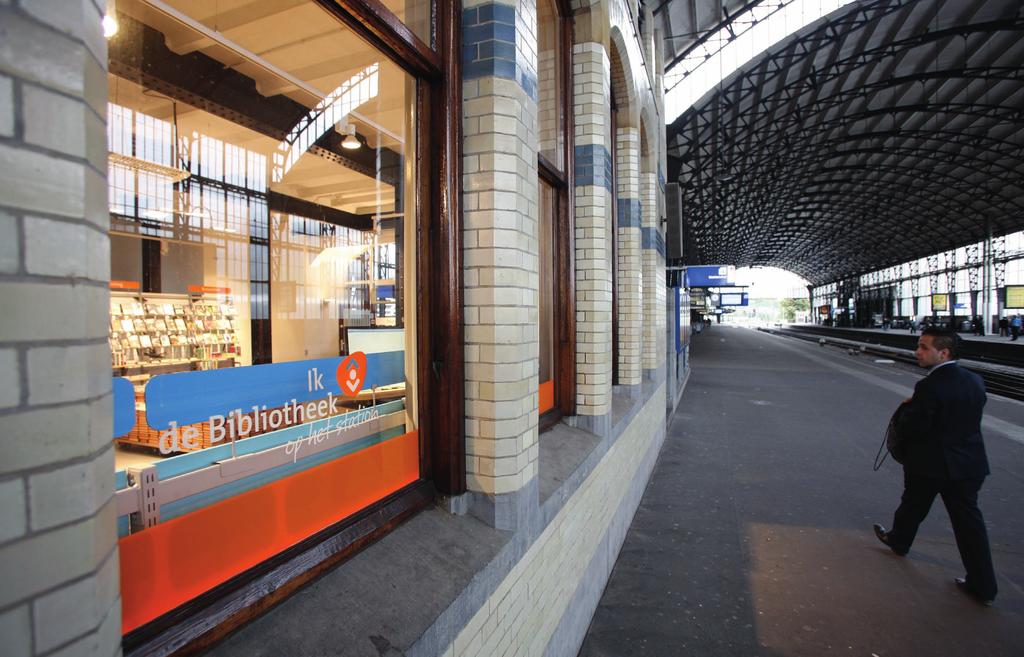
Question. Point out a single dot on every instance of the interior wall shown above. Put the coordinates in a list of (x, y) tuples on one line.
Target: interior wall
[(125, 258), (181, 265), (303, 339), (228, 254), (304, 319)]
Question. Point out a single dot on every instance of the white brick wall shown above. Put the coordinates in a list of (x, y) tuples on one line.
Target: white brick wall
[(57, 521), (522, 614), (77, 609), (630, 265), (10, 247), (77, 491), (13, 517), (10, 380), (6, 106), (654, 278), (15, 628), (84, 250), (593, 234), (500, 253)]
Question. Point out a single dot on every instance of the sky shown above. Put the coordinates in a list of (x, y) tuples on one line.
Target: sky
[(722, 54), (771, 282)]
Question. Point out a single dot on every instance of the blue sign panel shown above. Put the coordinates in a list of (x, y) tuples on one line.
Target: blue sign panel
[(708, 276), (124, 406), (191, 397), (679, 329)]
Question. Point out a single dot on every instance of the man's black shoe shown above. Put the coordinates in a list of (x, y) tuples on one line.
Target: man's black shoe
[(961, 583), (884, 537)]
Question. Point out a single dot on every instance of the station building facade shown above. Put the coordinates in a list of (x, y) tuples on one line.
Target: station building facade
[(279, 277)]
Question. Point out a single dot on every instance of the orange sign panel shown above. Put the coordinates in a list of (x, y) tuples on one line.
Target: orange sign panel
[(546, 397), (171, 563), (208, 289)]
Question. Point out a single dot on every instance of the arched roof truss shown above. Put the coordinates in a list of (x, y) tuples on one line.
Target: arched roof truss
[(887, 131)]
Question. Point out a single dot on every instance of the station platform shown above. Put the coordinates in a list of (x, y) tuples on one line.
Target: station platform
[(754, 534)]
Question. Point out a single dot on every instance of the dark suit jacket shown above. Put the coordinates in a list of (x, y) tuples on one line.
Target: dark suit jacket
[(941, 425)]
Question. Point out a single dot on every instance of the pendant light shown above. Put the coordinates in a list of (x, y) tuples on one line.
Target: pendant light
[(350, 142)]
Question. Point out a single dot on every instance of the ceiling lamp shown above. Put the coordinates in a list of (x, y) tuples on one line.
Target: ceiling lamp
[(145, 166), (109, 21), (350, 141)]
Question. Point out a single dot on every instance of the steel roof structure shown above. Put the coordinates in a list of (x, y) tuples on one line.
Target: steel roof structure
[(887, 131)]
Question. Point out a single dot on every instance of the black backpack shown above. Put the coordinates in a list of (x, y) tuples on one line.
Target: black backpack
[(894, 443)]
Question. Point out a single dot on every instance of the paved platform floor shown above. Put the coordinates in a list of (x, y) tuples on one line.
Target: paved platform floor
[(754, 535)]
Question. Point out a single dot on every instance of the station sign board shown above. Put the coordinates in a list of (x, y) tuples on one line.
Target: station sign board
[(709, 276), (1014, 296), (824, 310), (733, 299), (940, 302)]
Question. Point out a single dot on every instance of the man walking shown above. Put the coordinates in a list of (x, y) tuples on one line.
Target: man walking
[(1015, 325), (945, 455)]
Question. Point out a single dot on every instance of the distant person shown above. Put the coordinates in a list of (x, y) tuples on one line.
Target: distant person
[(940, 427), (1015, 325), (1004, 327), (913, 325)]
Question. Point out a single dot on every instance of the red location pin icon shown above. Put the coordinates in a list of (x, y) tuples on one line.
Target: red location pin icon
[(351, 374)]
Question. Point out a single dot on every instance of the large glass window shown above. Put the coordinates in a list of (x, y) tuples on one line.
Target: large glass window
[(546, 279), (263, 305), (550, 86), (556, 381), (417, 16)]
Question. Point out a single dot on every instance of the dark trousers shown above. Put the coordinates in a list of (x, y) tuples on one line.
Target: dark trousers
[(960, 497)]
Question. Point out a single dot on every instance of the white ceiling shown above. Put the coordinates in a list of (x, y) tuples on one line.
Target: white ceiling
[(304, 41)]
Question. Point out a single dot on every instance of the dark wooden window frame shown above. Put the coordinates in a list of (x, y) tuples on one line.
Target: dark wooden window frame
[(562, 181), (614, 237), (440, 344)]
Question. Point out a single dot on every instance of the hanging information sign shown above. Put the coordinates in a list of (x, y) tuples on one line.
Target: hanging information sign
[(709, 276), (1015, 296)]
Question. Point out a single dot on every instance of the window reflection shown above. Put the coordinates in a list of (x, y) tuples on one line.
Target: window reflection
[(549, 83), (235, 180)]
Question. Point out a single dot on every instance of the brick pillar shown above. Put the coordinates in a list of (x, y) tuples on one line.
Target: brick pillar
[(654, 278), (58, 546), (630, 271), (501, 251), (593, 199)]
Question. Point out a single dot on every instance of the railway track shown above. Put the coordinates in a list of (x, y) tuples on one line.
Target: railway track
[(1001, 378)]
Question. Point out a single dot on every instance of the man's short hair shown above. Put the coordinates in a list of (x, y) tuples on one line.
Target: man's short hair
[(943, 338)]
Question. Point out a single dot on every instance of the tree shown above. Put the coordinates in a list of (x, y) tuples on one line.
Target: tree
[(790, 307)]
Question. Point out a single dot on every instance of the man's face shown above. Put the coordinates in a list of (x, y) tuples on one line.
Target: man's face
[(927, 355)]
